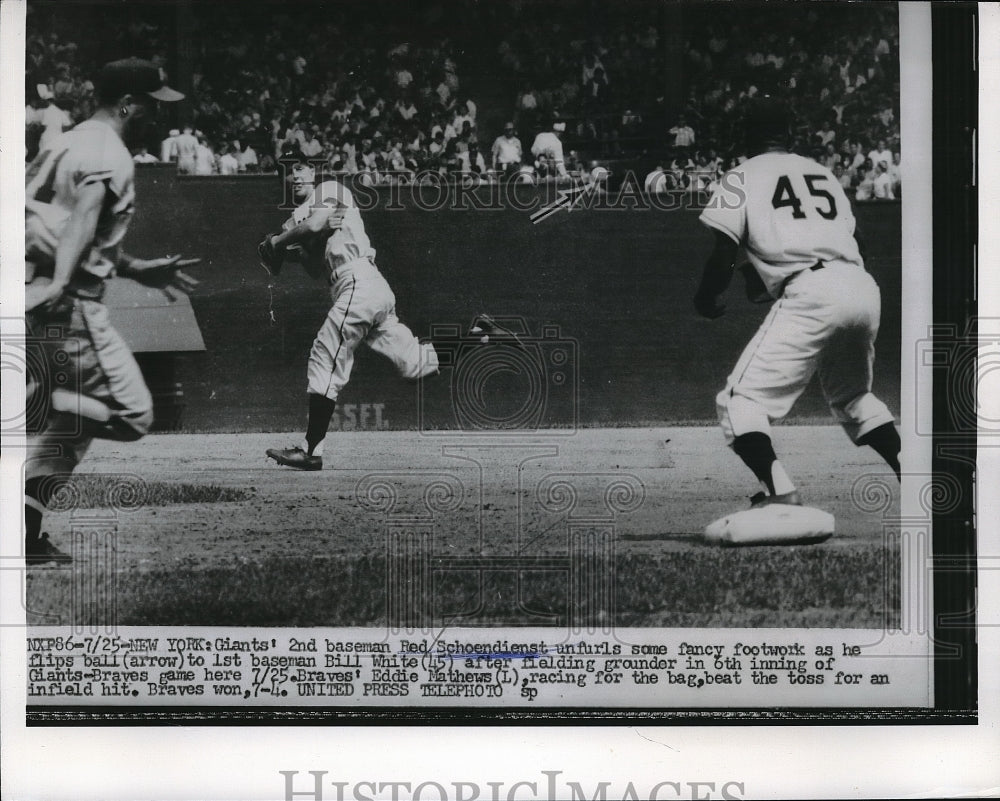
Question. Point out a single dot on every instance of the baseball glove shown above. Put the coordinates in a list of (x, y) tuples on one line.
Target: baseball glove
[(756, 290), (271, 257)]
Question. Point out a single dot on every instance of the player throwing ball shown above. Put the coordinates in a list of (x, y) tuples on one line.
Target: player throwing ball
[(327, 236), (794, 221)]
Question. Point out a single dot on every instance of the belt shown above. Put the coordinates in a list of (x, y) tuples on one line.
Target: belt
[(819, 265), (348, 267)]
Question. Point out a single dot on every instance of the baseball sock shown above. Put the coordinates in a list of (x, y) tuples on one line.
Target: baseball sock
[(884, 440), (757, 453), (320, 413), (34, 506)]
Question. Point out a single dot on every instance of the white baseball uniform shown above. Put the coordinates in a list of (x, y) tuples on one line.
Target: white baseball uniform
[(795, 223), (364, 307), (87, 347)]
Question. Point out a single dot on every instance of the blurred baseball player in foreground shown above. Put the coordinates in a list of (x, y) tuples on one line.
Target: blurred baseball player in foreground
[(79, 200), (327, 236), (794, 221)]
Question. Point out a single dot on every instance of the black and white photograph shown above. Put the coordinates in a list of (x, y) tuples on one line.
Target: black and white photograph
[(474, 362)]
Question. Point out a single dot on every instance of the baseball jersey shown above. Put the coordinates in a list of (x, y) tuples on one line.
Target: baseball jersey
[(348, 241), (787, 212), (89, 153)]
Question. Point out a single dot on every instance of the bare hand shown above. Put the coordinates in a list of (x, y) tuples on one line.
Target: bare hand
[(163, 273)]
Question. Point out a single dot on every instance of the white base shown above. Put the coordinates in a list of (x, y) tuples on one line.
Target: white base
[(776, 524)]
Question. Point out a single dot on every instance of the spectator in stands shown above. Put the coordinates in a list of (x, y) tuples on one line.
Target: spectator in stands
[(459, 120), (470, 110), (246, 157), (843, 178), (595, 91), (548, 151), (881, 154), (865, 182), (313, 145), (405, 109), (857, 159), (895, 173), (882, 185), (186, 146), (168, 148), (228, 164), (205, 158), (403, 77), (507, 153), (471, 160), (443, 92), (630, 122), (443, 127), (683, 133), (657, 181), (143, 156), (54, 120), (830, 158), (526, 113), (826, 134)]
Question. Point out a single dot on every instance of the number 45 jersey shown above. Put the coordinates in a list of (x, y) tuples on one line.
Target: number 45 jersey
[(89, 153), (788, 213)]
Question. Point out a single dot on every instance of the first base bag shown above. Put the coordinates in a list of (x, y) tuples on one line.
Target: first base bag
[(776, 524)]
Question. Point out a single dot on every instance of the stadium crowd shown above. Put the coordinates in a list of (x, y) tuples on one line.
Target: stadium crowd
[(377, 90)]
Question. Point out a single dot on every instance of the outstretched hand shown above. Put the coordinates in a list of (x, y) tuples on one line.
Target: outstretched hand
[(164, 273)]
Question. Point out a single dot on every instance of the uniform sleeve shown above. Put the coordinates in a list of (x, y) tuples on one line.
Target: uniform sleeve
[(332, 200), (100, 161), (727, 209)]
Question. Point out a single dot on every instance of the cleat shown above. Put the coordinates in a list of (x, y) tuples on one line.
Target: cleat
[(487, 330), (789, 499), (40, 550), (295, 457)]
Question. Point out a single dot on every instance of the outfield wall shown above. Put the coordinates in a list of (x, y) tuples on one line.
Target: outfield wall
[(610, 289)]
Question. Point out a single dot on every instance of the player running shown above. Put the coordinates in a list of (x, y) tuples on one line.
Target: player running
[(795, 223), (79, 200), (327, 236)]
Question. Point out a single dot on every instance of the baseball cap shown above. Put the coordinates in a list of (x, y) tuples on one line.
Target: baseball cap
[(134, 76), (559, 126), (292, 155)]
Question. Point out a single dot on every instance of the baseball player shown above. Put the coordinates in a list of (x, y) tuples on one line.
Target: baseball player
[(327, 236), (794, 222), (79, 199)]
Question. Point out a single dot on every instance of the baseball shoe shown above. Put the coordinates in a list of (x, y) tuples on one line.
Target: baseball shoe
[(789, 498), (487, 330), (295, 457), (40, 550)]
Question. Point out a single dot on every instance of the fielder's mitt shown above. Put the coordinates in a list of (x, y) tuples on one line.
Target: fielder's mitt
[(271, 257)]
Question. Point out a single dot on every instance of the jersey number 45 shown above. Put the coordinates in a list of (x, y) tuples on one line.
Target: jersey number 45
[(784, 195)]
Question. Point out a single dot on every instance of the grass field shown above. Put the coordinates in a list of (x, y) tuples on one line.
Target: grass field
[(225, 538)]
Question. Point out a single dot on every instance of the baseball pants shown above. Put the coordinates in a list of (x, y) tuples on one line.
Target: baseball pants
[(825, 321), (88, 386), (364, 310)]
